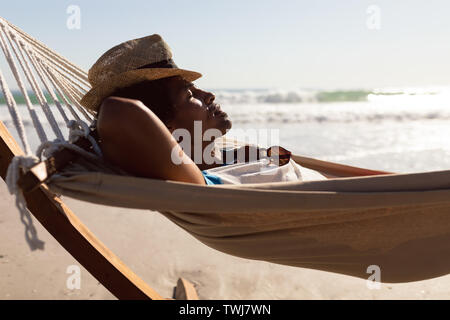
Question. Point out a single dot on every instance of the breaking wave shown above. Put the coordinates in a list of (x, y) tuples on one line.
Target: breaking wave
[(234, 96)]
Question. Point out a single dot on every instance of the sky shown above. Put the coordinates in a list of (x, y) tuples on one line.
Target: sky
[(261, 44)]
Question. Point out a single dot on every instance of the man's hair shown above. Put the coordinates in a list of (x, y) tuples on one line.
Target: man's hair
[(155, 94)]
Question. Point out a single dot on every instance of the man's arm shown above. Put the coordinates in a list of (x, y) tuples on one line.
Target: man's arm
[(135, 139)]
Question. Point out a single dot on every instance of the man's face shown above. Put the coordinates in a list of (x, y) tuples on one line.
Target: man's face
[(194, 104)]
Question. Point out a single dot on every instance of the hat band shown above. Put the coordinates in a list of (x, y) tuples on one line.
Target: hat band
[(170, 64)]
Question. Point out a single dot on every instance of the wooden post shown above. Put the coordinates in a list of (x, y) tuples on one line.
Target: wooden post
[(74, 236)]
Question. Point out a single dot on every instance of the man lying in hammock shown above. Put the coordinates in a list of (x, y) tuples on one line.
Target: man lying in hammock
[(143, 98)]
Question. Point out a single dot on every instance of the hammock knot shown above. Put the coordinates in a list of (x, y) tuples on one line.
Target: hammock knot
[(80, 129), (77, 130), (17, 165), (47, 148)]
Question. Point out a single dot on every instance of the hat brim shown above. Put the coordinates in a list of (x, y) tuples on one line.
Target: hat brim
[(94, 97)]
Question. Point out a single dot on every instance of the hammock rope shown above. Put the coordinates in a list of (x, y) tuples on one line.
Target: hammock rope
[(36, 88), (12, 108), (12, 64), (50, 55), (45, 81), (59, 76), (53, 70)]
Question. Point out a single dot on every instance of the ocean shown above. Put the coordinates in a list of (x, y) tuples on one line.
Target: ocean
[(391, 129)]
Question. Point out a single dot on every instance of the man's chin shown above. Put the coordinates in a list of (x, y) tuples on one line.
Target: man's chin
[(227, 124)]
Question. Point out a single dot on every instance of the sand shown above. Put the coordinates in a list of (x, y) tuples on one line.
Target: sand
[(160, 252)]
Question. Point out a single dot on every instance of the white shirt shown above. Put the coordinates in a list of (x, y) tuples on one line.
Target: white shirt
[(263, 171)]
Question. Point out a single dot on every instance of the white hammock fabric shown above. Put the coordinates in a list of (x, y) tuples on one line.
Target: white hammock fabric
[(399, 222)]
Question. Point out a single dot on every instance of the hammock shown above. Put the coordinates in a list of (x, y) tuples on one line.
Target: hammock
[(356, 219)]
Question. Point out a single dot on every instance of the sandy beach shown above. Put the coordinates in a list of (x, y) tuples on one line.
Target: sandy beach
[(160, 252)]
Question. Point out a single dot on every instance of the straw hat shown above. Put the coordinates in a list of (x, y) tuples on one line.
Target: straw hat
[(133, 61)]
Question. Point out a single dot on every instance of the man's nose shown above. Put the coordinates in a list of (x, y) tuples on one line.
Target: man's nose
[(207, 97)]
